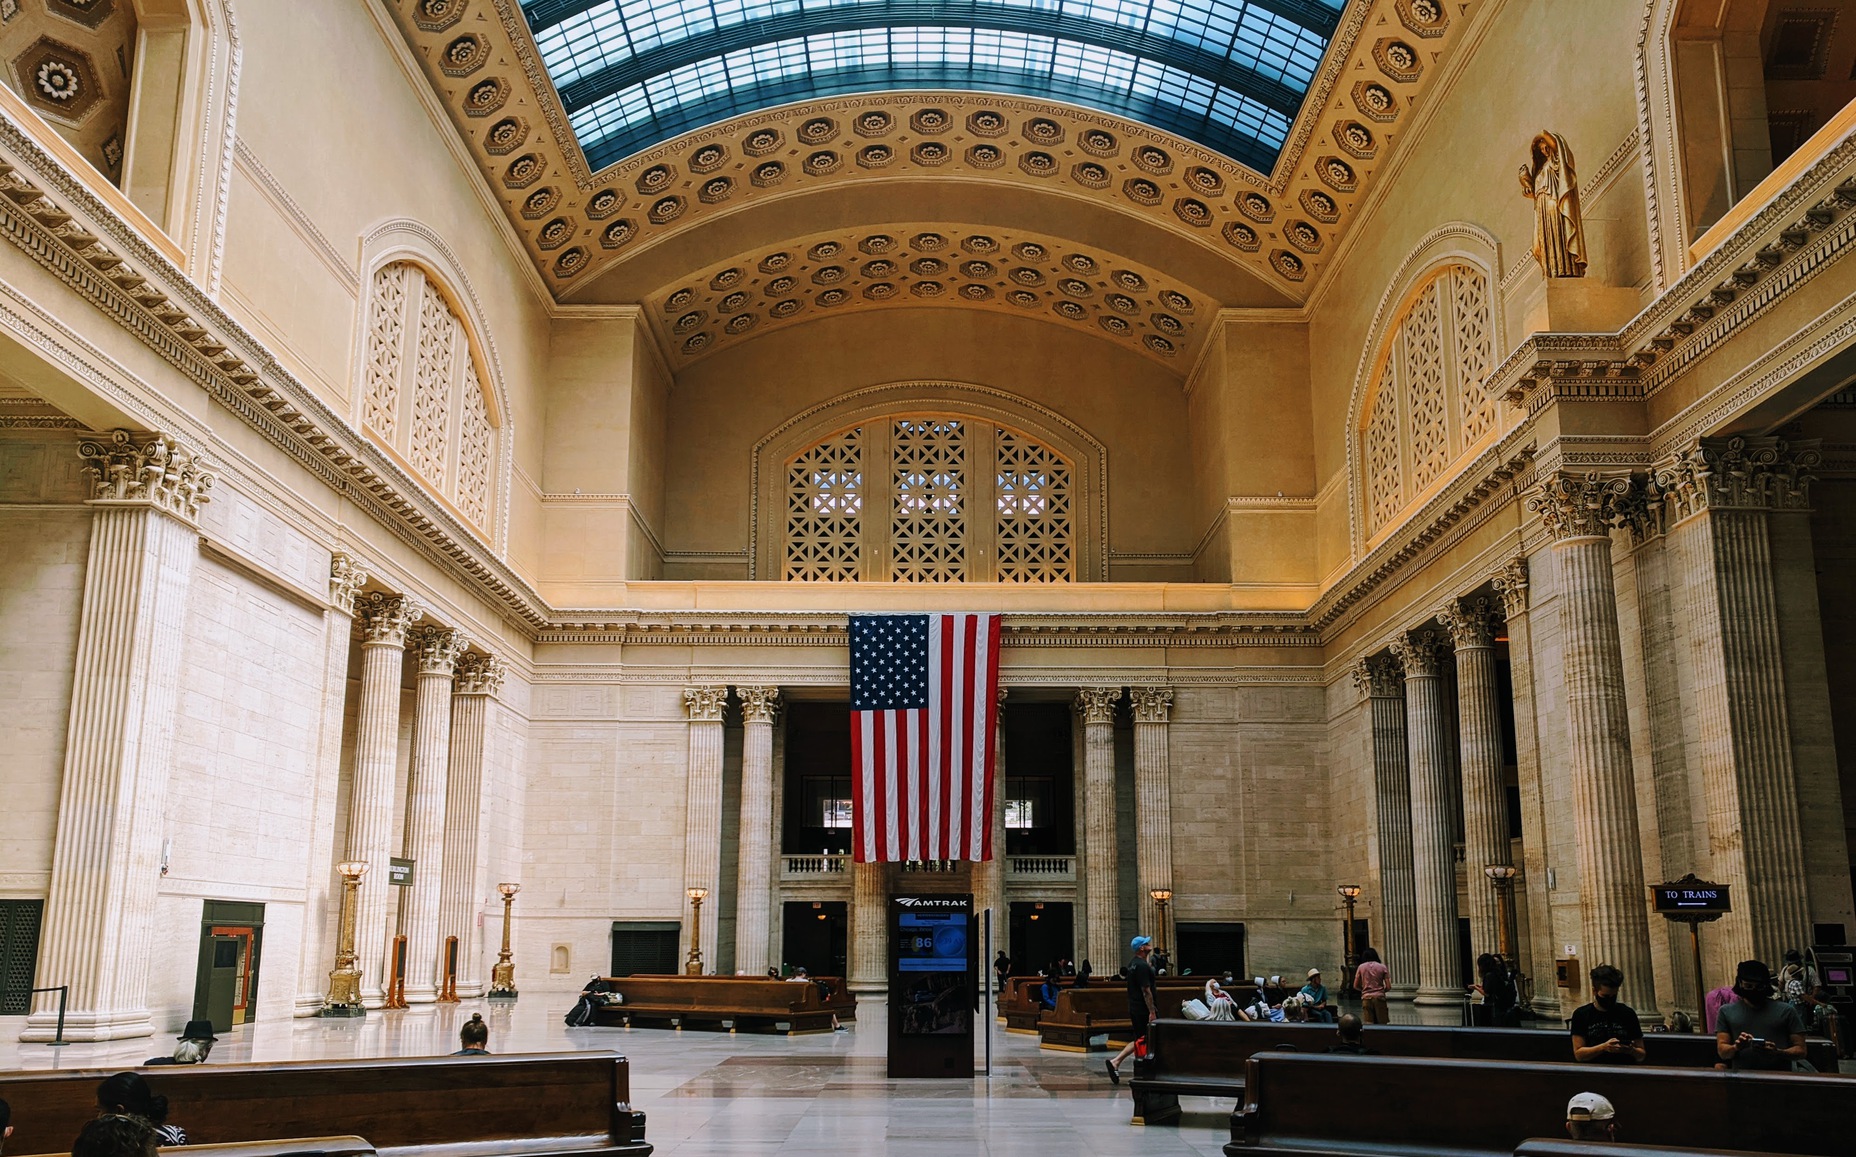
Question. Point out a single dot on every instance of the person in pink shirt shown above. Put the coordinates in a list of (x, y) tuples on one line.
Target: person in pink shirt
[(1373, 981), (1712, 1004)]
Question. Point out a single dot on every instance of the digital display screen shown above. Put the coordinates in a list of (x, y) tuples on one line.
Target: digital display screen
[(931, 942), (1836, 976)]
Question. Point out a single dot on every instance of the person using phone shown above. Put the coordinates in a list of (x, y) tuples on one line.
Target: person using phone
[(1606, 1031), (1756, 1031)]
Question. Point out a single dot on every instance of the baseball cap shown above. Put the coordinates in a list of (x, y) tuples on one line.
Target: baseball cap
[(1314, 972), (1589, 1107), (1140, 942)]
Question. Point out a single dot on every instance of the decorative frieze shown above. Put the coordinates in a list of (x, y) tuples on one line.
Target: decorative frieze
[(346, 578), (479, 674), (1581, 505), (156, 469), (1510, 582), (386, 618)]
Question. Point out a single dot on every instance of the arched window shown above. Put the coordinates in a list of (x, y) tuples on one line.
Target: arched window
[(929, 499), (1429, 402), (424, 397)]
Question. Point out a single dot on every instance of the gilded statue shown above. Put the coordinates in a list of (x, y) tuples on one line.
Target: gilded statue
[(1552, 184)]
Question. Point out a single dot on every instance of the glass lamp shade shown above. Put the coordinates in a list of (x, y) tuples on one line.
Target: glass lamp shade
[(509, 889), (699, 894), (1500, 871), (352, 869), (1161, 895), (1350, 891)]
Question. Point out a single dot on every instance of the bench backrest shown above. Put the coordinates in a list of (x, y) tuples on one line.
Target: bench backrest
[(393, 1103), (1457, 1106), (733, 992), (840, 991), (1109, 1001)]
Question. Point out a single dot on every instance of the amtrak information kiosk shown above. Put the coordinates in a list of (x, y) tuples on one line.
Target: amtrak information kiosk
[(932, 986)]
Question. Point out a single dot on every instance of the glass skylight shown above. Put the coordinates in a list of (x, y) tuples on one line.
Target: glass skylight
[(1230, 74)]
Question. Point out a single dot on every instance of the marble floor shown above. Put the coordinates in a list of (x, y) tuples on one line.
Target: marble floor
[(717, 1094)]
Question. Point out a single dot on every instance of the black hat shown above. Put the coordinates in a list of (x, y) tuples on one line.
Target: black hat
[(198, 1030), (1753, 970)]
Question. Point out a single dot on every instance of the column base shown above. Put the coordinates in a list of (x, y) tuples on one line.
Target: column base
[(429, 996), (1401, 993), (1437, 997), (470, 991), (308, 1004), (42, 1027)]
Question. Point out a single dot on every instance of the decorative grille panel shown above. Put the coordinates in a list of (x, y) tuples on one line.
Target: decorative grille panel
[(438, 341), (1035, 543), (386, 325), (1383, 473), (1424, 386), (476, 450), (824, 511), (1469, 308), (19, 953), (928, 524)]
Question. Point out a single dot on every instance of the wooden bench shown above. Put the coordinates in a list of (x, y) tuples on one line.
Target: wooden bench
[(1294, 1106), (1101, 1010), (284, 1147), (841, 1000), (1206, 1058), (739, 1002), (554, 1105), (1548, 1147)]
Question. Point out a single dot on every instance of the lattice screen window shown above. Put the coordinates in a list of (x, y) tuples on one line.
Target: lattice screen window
[(910, 500), (1035, 542), (424, 396), (824, 511), (1431, 402)]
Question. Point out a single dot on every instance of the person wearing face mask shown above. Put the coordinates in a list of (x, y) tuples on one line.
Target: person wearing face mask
[(1756, 1031), (1606, 1032)]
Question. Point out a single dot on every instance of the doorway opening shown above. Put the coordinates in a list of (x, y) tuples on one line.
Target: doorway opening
[(1041, 933), (225, 989), (645, 947), (1210, 948), (815, 936)]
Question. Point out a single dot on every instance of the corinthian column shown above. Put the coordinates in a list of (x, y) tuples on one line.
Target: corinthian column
[(1718, 496), (754, 881), (479, 679), (1382, 679), (119, 749), (1579, 511), (1102, 876), (1153, 793), (702, 820), (1480, 754), (437, 650), (385, 619), (1432, 835), (346, 578), (989, 877)]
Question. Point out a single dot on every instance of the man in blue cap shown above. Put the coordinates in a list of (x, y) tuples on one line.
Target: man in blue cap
[(1142, 1011)]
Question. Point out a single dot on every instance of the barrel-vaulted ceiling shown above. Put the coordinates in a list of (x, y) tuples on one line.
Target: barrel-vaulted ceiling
[(636, 143)]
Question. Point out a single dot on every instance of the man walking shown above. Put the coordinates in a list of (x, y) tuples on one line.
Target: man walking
[(1142, 1011)]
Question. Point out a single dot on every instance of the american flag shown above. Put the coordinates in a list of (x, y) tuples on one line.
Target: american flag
[(924, 699)]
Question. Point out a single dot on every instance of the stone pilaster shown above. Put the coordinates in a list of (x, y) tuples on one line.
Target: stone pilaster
[(461, 891), (702, 823), (99, 926), (1717, 500), (1432, 822), (1153, 799), (1480, 756), (385, 620), (754, 886), (869, 977), (1381, 678), (1101, 873), (322, 891), (436, 651), (1578, 510)]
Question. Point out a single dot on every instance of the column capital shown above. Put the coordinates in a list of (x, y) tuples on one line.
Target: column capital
[(151, 469), (705, 704), (759, 704), (1510, 582), (385, 618), (347, 575), (1738, 474), (1470, 622), (1574, 505), (1151, 704), (479, 674), (1380, 677), (437, 649), (1417, 652), (1097, 704)]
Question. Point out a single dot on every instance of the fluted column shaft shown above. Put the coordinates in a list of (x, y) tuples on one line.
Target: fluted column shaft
[(1432, 827), (1481, 756), (385, 620), (989, 877), (436, 650), (479, 678), (1578, 511), (702, 824), (869, 937), (99, 926), (1153, 799), (754, 886), (322, 888), (1101, 872), (1382, 677)]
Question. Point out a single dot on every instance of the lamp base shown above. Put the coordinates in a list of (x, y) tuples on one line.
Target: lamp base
[(342, 1010), (506, 994)]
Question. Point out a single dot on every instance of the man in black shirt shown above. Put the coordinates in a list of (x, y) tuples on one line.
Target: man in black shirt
[(1142, 1010), (1606, 1032)]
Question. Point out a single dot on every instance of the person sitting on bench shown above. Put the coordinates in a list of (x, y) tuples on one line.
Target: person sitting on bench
[(127, 1094), (475, 1037), (1590, 1117), (1352, 1035), (196, 1044), (1757, 1031), (1606, 1031), (1219, 1002), (116, 1135), (1314, 994), (6, 1123)]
